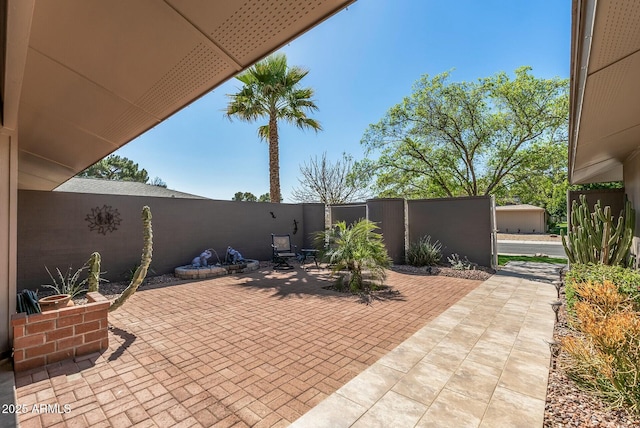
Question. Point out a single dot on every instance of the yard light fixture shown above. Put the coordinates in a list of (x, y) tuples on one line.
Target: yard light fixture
[(562, 272), (554, 347), (556, 307), (558, 285)]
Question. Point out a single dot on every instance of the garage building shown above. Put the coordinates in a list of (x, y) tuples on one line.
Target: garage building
[(522, 218)]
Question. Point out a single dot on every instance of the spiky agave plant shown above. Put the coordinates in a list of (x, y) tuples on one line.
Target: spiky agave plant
[(357, 251)]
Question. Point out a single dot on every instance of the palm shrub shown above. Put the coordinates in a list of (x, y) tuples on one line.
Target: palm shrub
[(424, 252), (354, 251)]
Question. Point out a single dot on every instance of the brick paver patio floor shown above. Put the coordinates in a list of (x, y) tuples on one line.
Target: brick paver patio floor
[(259, 349)]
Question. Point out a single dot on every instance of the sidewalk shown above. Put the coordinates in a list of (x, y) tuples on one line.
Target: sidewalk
[(484, 362)]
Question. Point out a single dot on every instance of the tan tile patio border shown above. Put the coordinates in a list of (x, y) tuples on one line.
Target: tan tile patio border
[(484, 362)]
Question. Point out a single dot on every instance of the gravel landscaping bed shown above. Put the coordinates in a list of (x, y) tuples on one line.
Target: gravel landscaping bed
[(111, 290), (568, 406), (480, 273)]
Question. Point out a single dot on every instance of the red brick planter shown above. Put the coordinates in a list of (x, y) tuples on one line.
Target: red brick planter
[(56, 335)]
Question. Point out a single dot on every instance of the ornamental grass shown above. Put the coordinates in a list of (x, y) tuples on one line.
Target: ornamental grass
[(604, 355)]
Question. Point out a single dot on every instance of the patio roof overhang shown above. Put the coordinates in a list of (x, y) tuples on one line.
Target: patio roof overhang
[(82, 78), (604, 127)]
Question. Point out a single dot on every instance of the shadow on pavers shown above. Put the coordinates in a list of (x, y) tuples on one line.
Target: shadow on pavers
[(127, 338), (300, 282), (532, 271)]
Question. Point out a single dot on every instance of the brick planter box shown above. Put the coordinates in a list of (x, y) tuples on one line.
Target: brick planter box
[(52, 336)]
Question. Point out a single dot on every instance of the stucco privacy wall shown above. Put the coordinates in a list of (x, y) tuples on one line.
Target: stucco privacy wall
[(462, 225), (388, 214), (313, 216), (611, 197), (349, 213), (53, 231)]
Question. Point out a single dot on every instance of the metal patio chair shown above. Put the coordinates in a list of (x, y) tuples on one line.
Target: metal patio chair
[(283, 250)]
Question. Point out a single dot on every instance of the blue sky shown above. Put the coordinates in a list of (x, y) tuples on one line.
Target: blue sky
[(362, 61)]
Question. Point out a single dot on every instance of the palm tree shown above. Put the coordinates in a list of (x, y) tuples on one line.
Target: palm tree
[(271, 89)]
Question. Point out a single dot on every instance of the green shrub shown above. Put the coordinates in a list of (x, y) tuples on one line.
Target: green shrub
[(424, 252), (626, 279), (460, 264), (354, 251)]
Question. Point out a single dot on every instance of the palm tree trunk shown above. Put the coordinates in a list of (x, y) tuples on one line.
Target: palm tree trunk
[(274, 160)]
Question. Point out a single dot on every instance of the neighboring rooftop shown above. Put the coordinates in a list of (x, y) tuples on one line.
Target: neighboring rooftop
[(114, 187), (519, 207)]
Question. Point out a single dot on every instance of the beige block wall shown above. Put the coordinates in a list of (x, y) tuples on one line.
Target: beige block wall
[(520, 221)]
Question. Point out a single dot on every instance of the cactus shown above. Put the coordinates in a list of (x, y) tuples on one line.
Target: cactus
[(94, 272), (145, 261), (595, 238)]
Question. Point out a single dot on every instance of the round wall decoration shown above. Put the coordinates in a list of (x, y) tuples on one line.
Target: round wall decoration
[(105, 219)]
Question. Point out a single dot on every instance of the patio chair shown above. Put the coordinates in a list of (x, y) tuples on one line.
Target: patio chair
[(282, 251)]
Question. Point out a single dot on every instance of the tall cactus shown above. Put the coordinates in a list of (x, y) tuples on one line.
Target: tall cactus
[(94, 272), (594, 238), (145, 261)]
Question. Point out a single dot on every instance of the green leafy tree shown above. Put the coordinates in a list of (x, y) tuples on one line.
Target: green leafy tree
[(331, 183), (115, 167), (468, 138), (594, 186), (543, 183), (244, 196), (250, 197), (272, 90), (265, 198)]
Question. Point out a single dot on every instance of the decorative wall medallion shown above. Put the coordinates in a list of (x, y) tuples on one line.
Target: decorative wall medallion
[(105, 219)]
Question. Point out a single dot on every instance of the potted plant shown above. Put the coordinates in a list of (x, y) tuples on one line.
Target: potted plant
[(65, 290)]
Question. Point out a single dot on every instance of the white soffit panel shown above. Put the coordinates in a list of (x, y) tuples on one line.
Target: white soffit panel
[(611, 150), (616, 27), (126, 46), (611, 99), (31, 167), (72, 98), (100, 73), (244, 28), (610, 114)]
